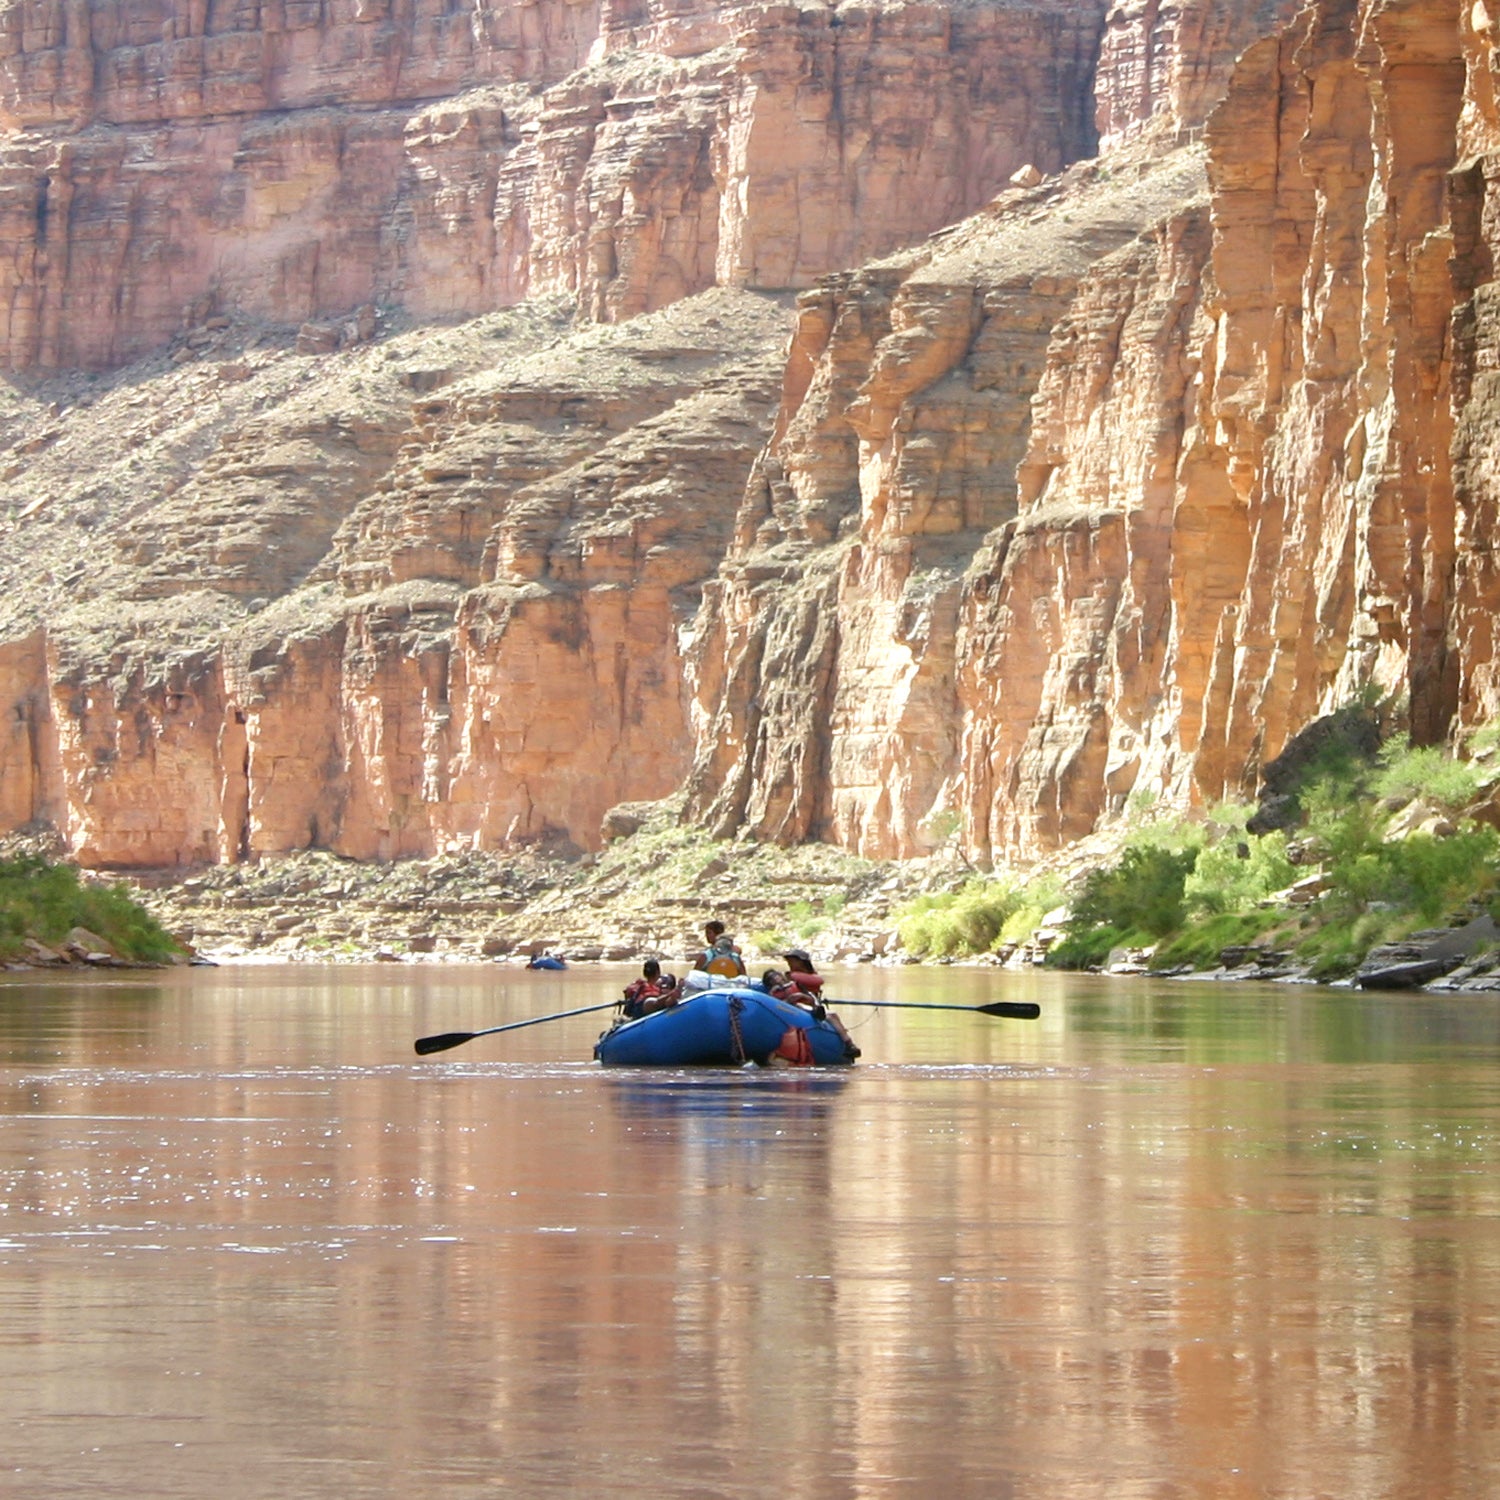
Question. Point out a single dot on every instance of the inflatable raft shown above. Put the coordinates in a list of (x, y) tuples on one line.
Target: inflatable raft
[(724, 1028)]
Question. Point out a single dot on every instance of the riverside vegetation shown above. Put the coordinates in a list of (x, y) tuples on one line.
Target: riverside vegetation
[(1377, 846), (46, 910), (1374, 843)]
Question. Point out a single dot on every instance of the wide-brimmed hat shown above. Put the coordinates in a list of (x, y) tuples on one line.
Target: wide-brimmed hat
[(797, 953)]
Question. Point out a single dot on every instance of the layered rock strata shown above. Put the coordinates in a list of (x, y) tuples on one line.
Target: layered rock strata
[(1096, 496), (1163, 60), (845, 684), (426, 593), (1237, 507), (293, 165)]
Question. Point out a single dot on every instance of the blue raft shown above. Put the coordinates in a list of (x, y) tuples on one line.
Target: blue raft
[(722, 1028)]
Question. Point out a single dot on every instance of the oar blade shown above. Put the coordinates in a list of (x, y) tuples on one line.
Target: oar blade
[(1016, 1010), (426, 1044)]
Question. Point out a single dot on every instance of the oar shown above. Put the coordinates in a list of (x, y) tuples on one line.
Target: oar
[(426, 1044), (1017, 1010)]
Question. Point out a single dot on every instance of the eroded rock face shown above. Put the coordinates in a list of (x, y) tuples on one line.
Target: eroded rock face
[(843, 678), (1100, 493), (1165, 61), (1474, 211), (1235, 508), (293, 165), (371, 615)]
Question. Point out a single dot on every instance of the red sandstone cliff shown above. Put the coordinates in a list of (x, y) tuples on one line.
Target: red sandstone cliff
[(294, 163), (308, 608), (1103, 491), (1256, 477)]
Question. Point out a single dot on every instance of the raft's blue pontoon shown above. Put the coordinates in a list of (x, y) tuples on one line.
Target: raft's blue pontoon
[(722, 1027)]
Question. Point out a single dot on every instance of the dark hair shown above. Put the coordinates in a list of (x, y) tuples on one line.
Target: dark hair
[(771, 978), (651, 969), (713, 927)]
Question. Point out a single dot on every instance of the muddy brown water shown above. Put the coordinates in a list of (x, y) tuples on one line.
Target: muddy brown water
[(1172, 1240)]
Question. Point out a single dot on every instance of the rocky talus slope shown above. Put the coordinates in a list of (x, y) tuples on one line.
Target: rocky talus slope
[(347, 615), (645, 894), (428, 432)]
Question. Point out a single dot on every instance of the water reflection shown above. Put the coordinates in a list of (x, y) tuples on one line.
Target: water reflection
[(1173, 1240), (756, 1094)]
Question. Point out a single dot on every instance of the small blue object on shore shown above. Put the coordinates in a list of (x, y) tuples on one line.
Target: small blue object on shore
[(546, 961)]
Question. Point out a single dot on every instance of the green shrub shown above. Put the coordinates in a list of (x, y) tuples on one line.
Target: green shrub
[(1409, 772), (1142, 893), (1226, 818), (1202, 943), (1132, 903), (43, 901), (1341, 820), (1036, 900), (1485, 740), (1429, 876), (768, 940), (1222, 880), (804, 921), (1088, 948), (1175, 835), (1336, 945), (969, 920)]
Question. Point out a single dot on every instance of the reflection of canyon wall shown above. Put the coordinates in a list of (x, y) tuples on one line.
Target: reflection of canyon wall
[(1102, 491), (296, 164)]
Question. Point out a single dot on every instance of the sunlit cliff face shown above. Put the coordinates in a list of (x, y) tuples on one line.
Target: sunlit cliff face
[(1104, 490), (1232, 504), (453, 161)]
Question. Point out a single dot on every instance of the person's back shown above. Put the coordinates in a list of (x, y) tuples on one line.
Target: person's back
[(713, 933), (652, 991)]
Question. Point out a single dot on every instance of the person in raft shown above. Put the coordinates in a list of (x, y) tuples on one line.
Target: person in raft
[(721, 956), (801, 984), (652, 991)]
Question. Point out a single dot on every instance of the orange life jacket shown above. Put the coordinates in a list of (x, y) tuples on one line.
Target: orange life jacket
[(724, 959), (795, 1048)]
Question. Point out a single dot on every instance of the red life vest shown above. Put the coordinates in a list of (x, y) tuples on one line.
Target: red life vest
[(796, 992), (639, 991)]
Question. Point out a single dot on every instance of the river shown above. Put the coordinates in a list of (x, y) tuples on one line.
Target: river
[(1171, 1240)]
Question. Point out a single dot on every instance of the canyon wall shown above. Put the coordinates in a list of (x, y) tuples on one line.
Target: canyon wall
[(425, 593), (1035, 500), (885, 683), (167, 163), (1256, 477)]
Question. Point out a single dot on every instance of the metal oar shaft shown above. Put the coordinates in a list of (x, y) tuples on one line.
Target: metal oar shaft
[(441, 1043)]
